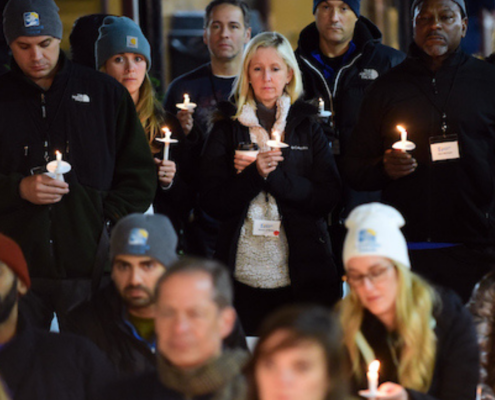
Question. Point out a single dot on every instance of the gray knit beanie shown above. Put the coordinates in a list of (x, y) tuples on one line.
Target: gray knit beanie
[(31, 18), (145, 235), (355, 5), (120, 35), (460, 3)]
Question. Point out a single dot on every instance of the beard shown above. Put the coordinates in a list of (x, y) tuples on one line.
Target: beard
[(8, 302)]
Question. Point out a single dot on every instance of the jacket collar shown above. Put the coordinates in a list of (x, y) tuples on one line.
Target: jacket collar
[(364, 33), (454, 59)]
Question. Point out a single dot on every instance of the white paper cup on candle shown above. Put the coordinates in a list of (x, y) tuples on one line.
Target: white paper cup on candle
[(248, 149)]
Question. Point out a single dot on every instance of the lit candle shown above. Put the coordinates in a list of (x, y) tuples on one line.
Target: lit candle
[(479, 390), (403, 135), (321, 106), (276, 136), (58, 154), (166, 147), (187, 100), (403, 144), (372, 375)]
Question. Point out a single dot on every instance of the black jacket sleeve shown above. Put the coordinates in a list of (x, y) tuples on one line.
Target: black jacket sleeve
[(363, 165), (316, 192)]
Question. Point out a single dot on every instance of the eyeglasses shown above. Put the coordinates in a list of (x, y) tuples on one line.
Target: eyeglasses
[(375, 276)]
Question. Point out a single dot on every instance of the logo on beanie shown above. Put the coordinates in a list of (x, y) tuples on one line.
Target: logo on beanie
[(31, 19), (138, 240), (367, 241), (132, 42)]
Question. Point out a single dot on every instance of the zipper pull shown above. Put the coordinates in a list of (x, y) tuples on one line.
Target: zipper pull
[(434, 83), (46, 156), (43, 106)]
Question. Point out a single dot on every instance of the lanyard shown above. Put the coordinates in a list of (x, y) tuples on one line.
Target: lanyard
[(441, 110)]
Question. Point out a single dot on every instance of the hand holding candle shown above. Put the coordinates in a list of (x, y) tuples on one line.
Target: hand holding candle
[(403, 144)]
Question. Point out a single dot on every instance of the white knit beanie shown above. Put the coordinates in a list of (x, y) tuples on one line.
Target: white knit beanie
[(374, 230)]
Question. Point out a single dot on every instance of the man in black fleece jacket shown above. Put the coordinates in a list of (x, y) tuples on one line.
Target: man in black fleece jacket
[(445, 187), (49, 104)]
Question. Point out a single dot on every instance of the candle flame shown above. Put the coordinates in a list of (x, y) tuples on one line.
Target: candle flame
[(166, 132), (374, 366), (186, 99), (401, 129)]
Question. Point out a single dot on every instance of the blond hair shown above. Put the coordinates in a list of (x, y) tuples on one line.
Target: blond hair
[(150, 113), (414, 304), (242, 90)]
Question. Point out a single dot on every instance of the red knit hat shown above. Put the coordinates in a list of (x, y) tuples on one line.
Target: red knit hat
[(11, 255)]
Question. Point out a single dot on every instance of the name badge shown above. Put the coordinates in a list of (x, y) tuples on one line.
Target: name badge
[(266, 228), (444, 148)]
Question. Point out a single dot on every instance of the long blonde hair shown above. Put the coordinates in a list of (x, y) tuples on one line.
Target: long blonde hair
[(242, 90), (150, 113), (415, 302)]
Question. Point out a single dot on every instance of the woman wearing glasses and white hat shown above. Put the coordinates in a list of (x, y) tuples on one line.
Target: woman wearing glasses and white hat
[(423, 336)]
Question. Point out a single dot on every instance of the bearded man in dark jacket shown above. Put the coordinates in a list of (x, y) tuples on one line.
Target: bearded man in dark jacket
[(340, 55), (41, 365), (49, 104), (119, 319), (445, 187)]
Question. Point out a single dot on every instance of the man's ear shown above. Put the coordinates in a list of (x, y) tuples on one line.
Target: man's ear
[(464, 27), (247, 35), (227, 321), (21, 287)]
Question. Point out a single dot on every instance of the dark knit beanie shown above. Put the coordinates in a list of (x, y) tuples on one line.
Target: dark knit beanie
[(353, 4), (460, 3), (83, 37), (31, 18), (151, 235), (120, 35), (11, 255)]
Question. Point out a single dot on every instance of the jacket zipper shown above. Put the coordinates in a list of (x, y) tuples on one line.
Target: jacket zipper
[(329, 92), (50, 207)]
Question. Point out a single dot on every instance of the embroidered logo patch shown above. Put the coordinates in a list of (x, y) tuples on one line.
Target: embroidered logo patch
[(138, 241), (367, 241), (369, 74), (138, 237), (132, 42), (299, 148), (31, 19), (82, 98)]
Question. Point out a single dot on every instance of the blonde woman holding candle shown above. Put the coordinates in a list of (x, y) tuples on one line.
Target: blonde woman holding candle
[(123, 52), (272, 208), (299, 356), (423, 336)]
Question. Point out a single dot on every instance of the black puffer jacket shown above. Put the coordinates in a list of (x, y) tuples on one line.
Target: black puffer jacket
[(48, 366), (370, 60), (446, 202), (306, 186)]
